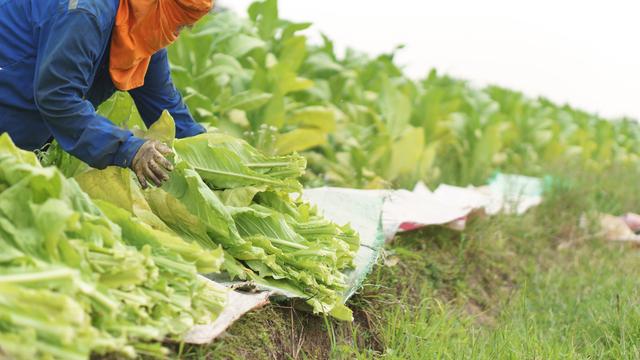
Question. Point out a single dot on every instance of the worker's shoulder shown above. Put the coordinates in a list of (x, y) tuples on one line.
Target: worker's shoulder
[(103, 10)]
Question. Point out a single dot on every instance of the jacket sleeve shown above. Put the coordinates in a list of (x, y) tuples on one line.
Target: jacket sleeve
[(158, 93), (64, 71)]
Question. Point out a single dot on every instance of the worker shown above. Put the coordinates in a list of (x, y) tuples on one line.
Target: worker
[(60, 59)]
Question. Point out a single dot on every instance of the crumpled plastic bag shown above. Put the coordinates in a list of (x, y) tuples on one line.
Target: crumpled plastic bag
[(616, 228)]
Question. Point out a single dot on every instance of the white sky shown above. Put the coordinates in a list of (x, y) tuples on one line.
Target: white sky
[(583, 52)]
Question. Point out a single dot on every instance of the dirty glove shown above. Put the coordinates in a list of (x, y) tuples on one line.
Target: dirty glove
[(150, 163)]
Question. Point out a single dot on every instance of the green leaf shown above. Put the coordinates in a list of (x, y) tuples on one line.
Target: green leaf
[(247, 101), (163, 130), (265, 15), (187, 188), (406, 153), (241, 44), (291, 28), (119, 187), (322, 65), (274, 113), (395, 108), (300, 140), (221, 64), (240, 197), (222, 168), (122, 111), (8, 148), (293, 53), (319, 117)]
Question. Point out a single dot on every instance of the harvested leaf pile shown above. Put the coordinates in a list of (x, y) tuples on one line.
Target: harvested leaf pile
[(223, 192), (94, 264), (72, 282)]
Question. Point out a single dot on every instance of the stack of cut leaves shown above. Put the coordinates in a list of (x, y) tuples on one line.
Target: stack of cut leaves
[(223, 192), (73, 282)]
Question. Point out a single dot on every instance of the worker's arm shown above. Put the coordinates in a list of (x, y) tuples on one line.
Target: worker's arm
[(64, 72), (158, 93)]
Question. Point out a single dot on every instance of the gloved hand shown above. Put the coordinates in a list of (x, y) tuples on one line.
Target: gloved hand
[(150, 163)]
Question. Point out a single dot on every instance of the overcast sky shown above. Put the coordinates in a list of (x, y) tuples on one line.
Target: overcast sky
[(583, 52)]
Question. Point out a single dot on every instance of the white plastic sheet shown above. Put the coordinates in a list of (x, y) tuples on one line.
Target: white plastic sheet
[(451, 205), (616, 228), (238, 304)]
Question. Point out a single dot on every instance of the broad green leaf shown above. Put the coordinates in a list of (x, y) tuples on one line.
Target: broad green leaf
[(291, 28), (240, 197), (319, 117), (297, 84), (265, 15), (163, 130), (395, 108), (7, 147), (122, 111), (406, 153), (293, 53), (119, 187), (241, 44), (187, 188), (221, 64), (274, 113), (222, 168), (322, 65), (299, 140), (247, 101)]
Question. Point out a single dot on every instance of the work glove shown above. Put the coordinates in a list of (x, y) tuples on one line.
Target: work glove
[(150, 163)]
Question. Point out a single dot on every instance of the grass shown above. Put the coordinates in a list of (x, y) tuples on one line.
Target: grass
[(538, 286)]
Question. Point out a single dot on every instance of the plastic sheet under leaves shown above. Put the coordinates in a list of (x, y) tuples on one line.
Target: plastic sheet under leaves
[(451, 205), (238, 304), (380, 214), (448, 205)]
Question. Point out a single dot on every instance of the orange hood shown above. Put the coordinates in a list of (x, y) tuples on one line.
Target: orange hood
[(142, 28)]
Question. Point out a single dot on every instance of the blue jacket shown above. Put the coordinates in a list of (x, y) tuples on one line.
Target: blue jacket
[(54, 72)]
